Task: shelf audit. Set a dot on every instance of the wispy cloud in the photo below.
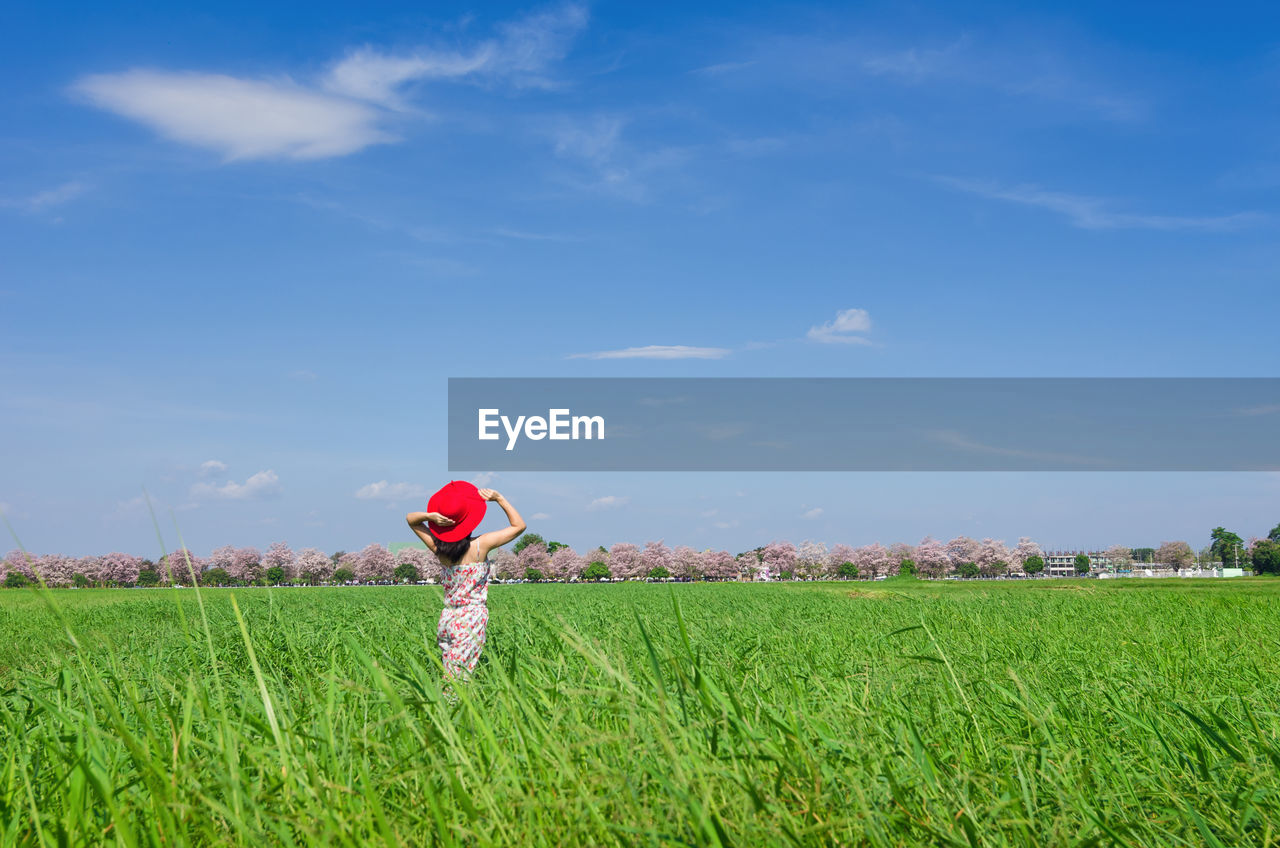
(525, 235)
(723, 67)
(1096, 213)
(521, 54)
(130, 506)
(607, 502)
(211, 467)
(46, 199)
(484, 478)
(260, 485)
(540, 516)
(812, 513)
(1263, 409)
(384, 491)
(609, 165)
(844, 329)
(657, 352)
(343, 112)
(959, 440)
(1023, 65)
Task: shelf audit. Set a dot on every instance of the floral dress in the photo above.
(464, 618)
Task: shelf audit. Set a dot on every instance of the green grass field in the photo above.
(1043, 713)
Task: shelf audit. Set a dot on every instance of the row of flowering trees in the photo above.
(535, 560)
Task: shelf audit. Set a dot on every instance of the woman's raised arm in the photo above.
(498, 538)
(417, 523)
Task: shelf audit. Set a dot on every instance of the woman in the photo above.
(452, 514)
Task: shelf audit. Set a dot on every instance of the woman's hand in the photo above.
(490, 495)
(440, 520)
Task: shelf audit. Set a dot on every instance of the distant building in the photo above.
(1063, 563)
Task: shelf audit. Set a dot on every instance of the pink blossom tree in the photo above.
(962, 549)
(20, 562)
(625, 562)
(719, 565)
(932, 558)
(898, 552)
(351, 562)
(656, 555)
(1025, 550)
(90, 567)
(419, 558)
(686, 563)
(749, 566)
(431, 568)
(811, 559)
(836, 557)
(247, 565)
(55, 570)
(121, 569)
(533, 556)
(375, 563)
(279, 555)
(993, 556)
(502, 563)
(313, 565)
(566, 564)
(178, 566)
(1176, 554)
(873, 560)
(777, 557)
(224, 558)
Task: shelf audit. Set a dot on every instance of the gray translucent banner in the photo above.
(865, 424)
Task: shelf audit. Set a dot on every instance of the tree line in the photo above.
(534, 558)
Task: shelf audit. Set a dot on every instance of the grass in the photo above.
(1050, 713)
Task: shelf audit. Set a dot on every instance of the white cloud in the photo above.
(238, 118)
(304, 375)
(260, 485)
(46, 199)
(540, 516)
(959, 440)
(723, 67)
(212, 466)
(812, 513)
(131, 505)
(384, 491)
(607, 164)
(520, 54)
(1024, 65)
(607, 502)
(1093, 213)
(1264, 409)
(595, 141)
(726, 525)
(366, 74)
(657, 352)
(842, 329)
(484, 478)
(340, 114)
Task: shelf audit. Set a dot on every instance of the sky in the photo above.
(243, 247)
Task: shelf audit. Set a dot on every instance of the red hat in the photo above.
(460, 501)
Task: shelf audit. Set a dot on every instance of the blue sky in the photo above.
(244, 248)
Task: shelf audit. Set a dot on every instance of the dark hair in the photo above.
(450, 552)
